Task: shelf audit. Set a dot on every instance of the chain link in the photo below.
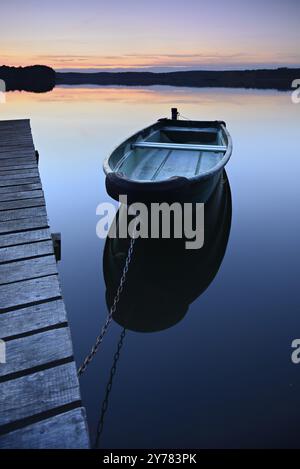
(112, 310)
(105, 402)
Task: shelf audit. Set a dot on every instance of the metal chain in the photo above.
(112, 310)
(104, 406)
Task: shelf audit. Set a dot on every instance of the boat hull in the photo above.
(173, 168)
(177, 189)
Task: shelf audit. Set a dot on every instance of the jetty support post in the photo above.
(56, 240)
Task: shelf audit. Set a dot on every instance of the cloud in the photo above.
(139, 56)
(168, 60)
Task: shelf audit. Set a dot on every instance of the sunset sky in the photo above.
(161, 34)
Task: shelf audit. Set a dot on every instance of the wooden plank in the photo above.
(24, 237)
(23, 251)
(18, 167)
(22, 203)
(63, 431)
(33, 212)
(10, 162)
(9, 136)
(16, 148)
(26, 173)
(39, 379)
(20, 188)
(15, 135)
(32, 318)
(13, 196)
(14, 123)
(31, 268)
(23, 224)
(21, 154)
(12, 139)
(16, 182)
(29, 291)
(41, 391)
(6, 130)
(36, 350)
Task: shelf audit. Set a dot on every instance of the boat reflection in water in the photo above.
(164, 277)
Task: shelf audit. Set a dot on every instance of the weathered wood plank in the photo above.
(21, 154)
(18, 167)
(8, 215)
(15, 136)
(41, 391)
(14, 123)
(32, 313)
(12, 162)
(26, 173)
(31, 268)
(23, 251)
(16, 148)
(32, 318)
(6, 129)
(13, 196)
(14, 139)
(20, 133)
(36, 350)
(20, 188)
(25, 237)
(64, 431)
(29, 291)
(22, 203)
(23, 224)
(17, 182)
(11, 139)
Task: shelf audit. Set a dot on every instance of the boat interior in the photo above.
(170, 151)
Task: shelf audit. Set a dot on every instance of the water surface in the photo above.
(222, 376)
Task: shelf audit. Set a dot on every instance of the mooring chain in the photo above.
(113, 370)
(112, 310)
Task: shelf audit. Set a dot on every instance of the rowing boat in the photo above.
(170, 160)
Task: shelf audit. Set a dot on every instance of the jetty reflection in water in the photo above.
(164, 277)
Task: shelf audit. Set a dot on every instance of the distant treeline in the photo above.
(37, 78)
(279, 79)
(40, 78)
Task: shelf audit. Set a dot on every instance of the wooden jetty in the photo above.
(40, 403)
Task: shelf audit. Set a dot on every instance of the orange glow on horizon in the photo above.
(139, 61)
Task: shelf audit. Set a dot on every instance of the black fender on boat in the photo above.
(172, 189)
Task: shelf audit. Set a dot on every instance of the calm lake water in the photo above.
(222, 376)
